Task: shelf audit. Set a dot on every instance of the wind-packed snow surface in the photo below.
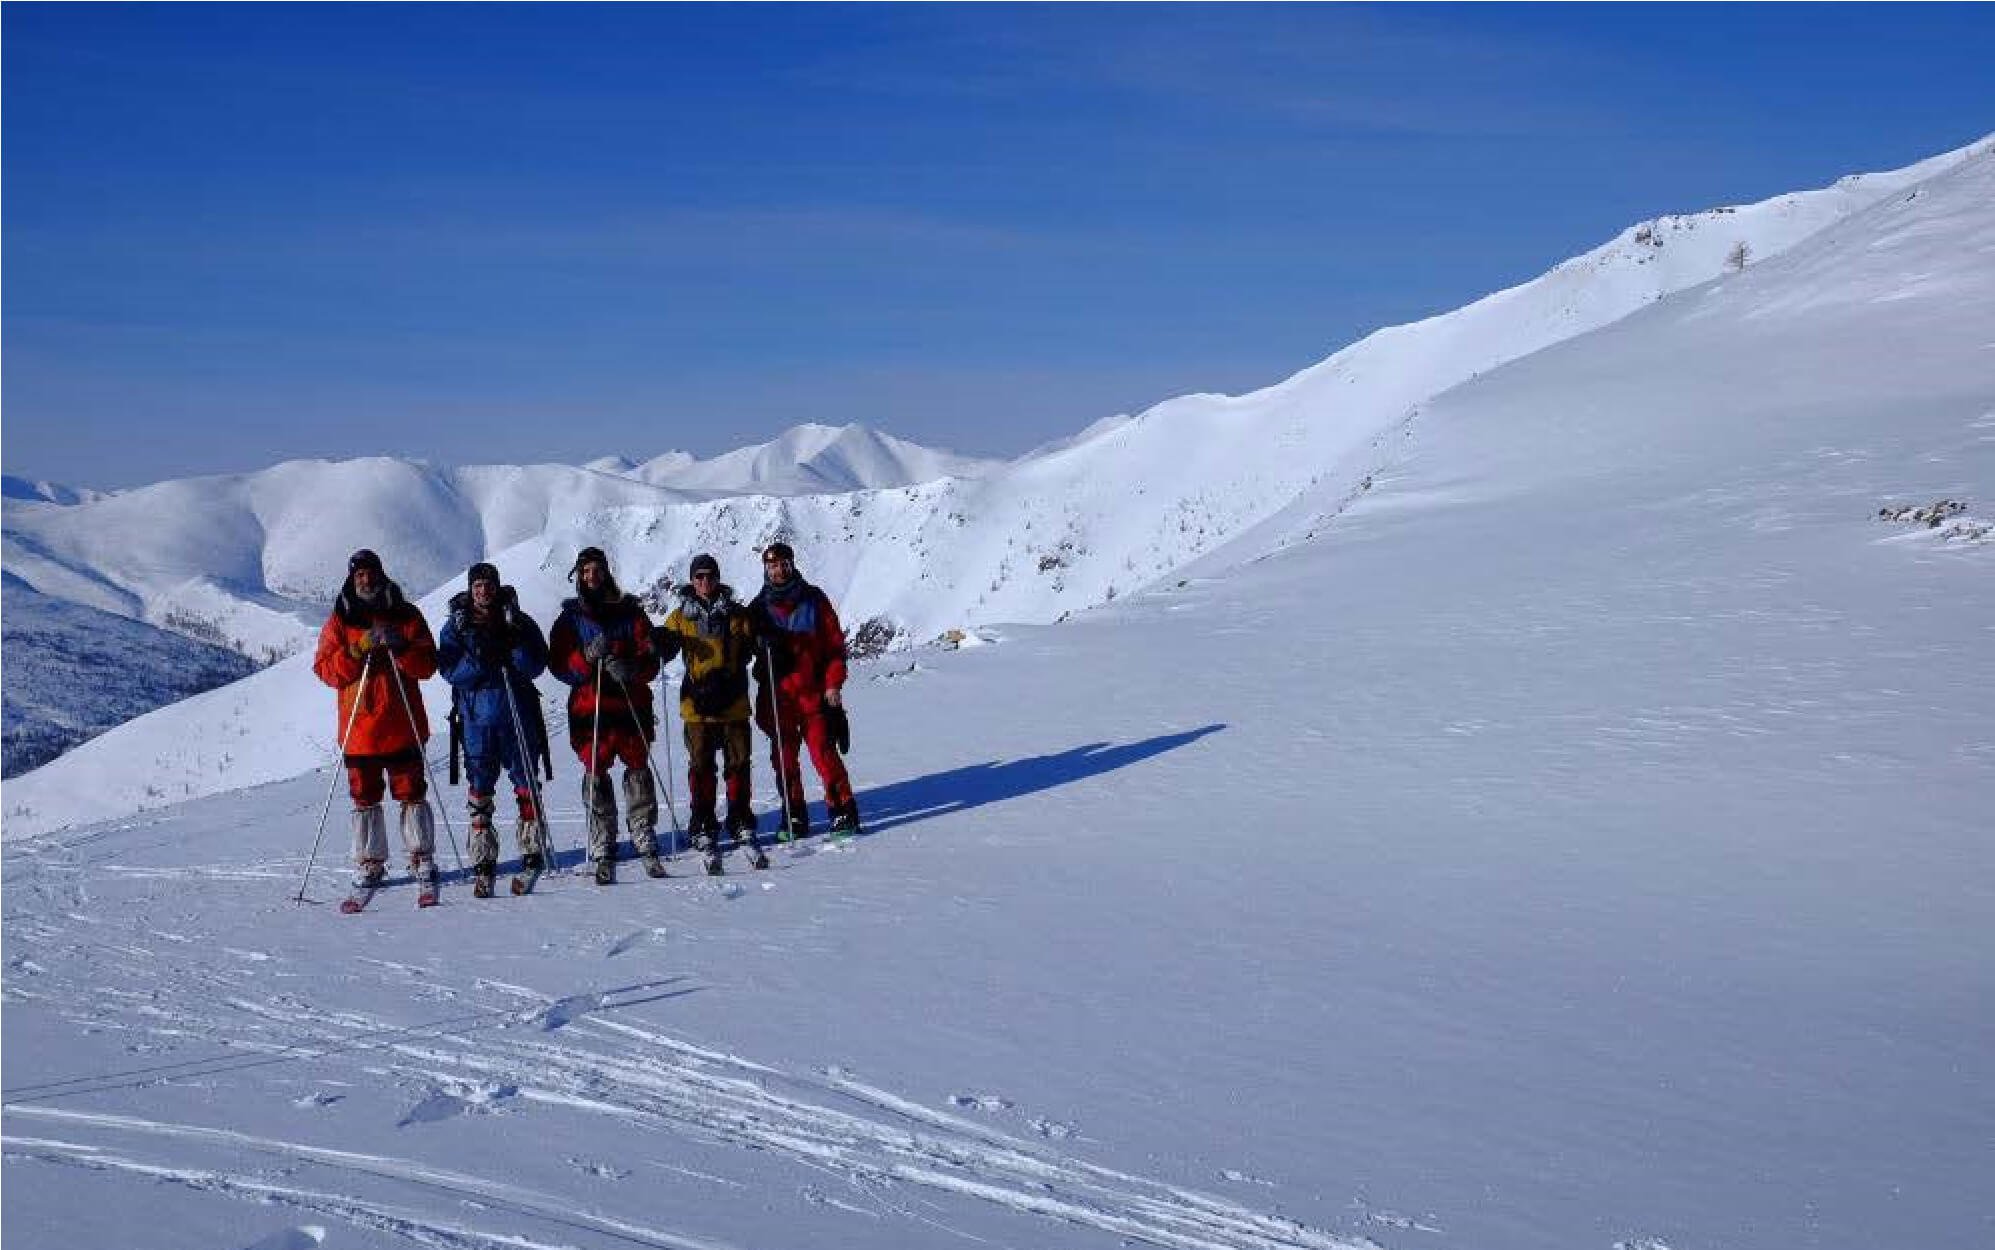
(1582, 840)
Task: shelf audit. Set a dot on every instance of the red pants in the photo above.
(785, 748)
(405, 778)
(611, 748)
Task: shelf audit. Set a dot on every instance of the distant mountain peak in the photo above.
(29, 490)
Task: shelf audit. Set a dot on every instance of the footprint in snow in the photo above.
(1054, 1129)
(589, 1167)
(432, 1109)
(569, 1009)
(628, 942)
(1385, 1218)
(303, 1237)
(979, 1102)
(444, 1104)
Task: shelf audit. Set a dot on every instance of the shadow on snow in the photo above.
(960, 789)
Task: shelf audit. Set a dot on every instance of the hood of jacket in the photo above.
(353, 610)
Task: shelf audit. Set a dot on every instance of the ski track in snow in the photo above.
(508, 1050)
(420, 1226)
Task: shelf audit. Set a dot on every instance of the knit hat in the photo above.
(779, 551)
(589, 555)
(364, 559)
(481, 572)
(703, 563)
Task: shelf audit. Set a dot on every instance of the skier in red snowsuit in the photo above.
(601, 647)
(800, 679)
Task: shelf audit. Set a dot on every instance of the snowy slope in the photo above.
(1582, 842)
(1061, 531)
(74, 672)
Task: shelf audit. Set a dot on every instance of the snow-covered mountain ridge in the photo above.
(808, 459)
(1213, 479)
(20, 488)
(254, 557)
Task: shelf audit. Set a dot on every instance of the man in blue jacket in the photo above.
(490, 652)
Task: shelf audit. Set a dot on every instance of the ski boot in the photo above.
(705, 840)
(654, 866)
(428, 880)
(367, 878)
(484, 876)
(741, 823)
(532, 864)
(845, 820)
(606, 871)
(710, 854)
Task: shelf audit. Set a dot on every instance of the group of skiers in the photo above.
(376, 647)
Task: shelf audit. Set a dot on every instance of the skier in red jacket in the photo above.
(601, 647)
(800, 699)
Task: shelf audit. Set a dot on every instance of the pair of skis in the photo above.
(427, 894)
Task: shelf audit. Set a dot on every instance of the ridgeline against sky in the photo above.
(512, 234)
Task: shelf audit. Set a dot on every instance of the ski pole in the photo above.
(595, 750)
(532, 774)
(671, 807)
(409, 711)
(671, 766)
(333, 789)
(776, 717)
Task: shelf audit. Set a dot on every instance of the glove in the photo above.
(840, 726)
(493, 648)
(389, 637)
(621, 669)
(596, 650)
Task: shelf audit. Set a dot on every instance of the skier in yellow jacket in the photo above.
(710, 629)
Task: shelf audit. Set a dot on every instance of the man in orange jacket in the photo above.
(374, 648)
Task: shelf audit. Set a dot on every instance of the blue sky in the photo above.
(237, 234)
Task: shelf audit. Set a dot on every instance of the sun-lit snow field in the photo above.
(1581, 839)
